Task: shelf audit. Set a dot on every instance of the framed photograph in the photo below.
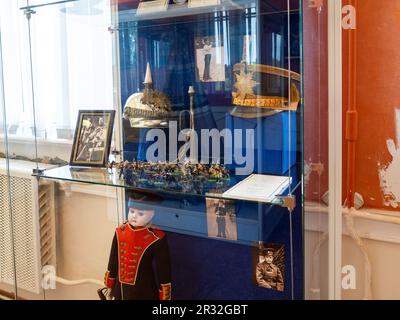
(210, 59)
(221, 219)
(92, 138)
(269, 266)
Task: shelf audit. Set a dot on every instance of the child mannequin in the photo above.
(136, 245)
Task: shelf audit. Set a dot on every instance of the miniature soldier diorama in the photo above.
(139, 265)
(268, 274)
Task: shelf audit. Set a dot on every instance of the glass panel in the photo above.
(316, 166)
(8, 288)
(21, 258)
(75, 72)
(86, 220)
(224, 68)
(64, 65)
(179, 187)
(79, 63)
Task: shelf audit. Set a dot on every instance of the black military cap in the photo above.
(143, 200)
(267, 251)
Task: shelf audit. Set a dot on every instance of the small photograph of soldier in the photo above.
(221, 219)
(270, 267)
(210, 59)
(92, 139)
(220, 213)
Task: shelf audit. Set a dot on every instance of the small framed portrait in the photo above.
(269, 266)
(221, 219)
(92, 138)
(210, 59)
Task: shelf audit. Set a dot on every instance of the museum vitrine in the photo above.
(189, 111)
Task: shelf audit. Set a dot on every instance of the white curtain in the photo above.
(72, 64)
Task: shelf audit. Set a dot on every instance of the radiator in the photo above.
(33, 212)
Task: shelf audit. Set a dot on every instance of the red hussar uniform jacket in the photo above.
(130, 273)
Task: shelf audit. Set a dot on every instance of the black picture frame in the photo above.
(92, 138)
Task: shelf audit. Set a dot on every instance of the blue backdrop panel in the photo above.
(205, 268)
(275, 141)
(210, 269)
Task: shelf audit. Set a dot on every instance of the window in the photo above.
(71, 61)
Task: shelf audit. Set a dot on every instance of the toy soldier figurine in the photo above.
(268, 274)
(136, 245)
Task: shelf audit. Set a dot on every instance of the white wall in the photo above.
(85, 227)
(382, 243)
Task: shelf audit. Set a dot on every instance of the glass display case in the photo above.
(195, 106)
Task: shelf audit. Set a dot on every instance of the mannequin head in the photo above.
(138, 217)
(141, 209)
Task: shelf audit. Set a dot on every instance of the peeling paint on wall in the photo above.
(389, 175)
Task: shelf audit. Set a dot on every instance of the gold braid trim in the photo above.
(278, 103)
(165, 293)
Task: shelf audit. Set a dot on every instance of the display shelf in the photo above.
(107, 177)
(183, 10)
(45, 4)
(177, 10)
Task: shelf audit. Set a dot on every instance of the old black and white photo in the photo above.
(210, 59)
(221, 219)
(269, 266)
(92, 138)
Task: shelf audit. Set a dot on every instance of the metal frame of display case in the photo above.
(335, 148)
(104, 177)
(288, 200)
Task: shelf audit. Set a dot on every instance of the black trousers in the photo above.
(207, 61)
(221, 224)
